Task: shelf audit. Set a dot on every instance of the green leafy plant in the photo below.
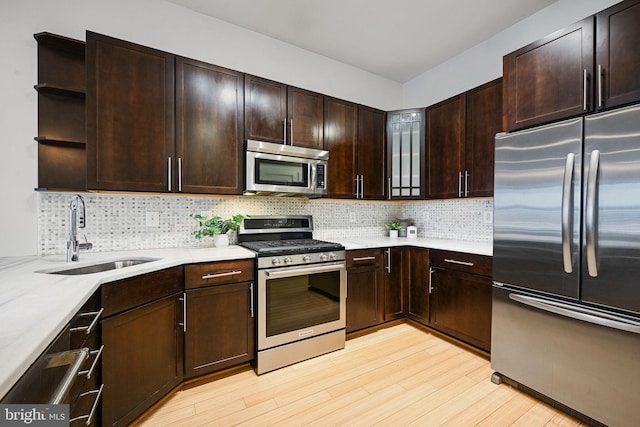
(394, 224)
(216, 225)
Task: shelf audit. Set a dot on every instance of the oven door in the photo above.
(296, 303)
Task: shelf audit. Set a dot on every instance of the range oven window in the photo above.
(302, 301)
(272, 172)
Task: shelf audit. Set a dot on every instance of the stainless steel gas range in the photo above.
(301, 290)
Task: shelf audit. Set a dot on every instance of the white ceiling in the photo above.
(396, 39)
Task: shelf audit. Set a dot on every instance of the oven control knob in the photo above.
(275, 261)
(333, 256)
(287, 260)
(323, 257)
(306, 258)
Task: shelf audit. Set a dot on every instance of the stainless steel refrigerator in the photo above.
(566, 263)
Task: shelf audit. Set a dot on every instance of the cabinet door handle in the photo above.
(430, 280)
(169, 173)
(284, 131)
(388, 267)
(184, 312)
(455, 261)
(466, 183)
(94, 407)
(225, 274)
(585, 106)
(87, 329)
(357, 186)
(291, 134)
(179, 173)
(364, 258)
(460, 184)
(599, 85)
(251, 296)
(362, 186)
(89, 372)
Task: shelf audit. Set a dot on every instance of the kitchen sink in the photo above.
(101, 267)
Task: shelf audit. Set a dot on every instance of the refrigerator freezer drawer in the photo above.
(590, 368)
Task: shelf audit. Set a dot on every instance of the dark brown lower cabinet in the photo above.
(394, 283)
(365, 289)
(143, 343)
(461, 297)
(220, 328)
(418, 282)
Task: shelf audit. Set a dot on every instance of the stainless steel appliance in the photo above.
(566, 263)
(301, 290)
(285, 170)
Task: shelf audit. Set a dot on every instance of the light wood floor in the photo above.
(396, 376)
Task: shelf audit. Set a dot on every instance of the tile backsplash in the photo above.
(119, 221)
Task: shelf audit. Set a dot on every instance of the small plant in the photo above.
(394, 224)
(216, 225)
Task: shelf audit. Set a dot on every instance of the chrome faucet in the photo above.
(76, 220)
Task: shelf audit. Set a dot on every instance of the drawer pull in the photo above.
(215, 275)
(94, 322)
(454, 261)
(98, 354)
(94, 407)
(364, 258)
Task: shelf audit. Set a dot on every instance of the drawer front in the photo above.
(458, 261)
(217, 273)
(129, 293)
(364, 257)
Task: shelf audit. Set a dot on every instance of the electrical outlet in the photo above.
(426, 216)
(153, 219)
(487, 218)
(352, 217)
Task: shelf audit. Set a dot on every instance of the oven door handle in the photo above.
(275, 274)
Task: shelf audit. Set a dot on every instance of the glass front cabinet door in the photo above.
(406, 175)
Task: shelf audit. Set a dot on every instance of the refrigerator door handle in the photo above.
(567, 214)
(579, 313)
(591, 213)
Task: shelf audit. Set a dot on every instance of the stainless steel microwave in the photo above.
(285, 170)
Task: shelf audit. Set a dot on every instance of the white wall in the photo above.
(154, 23)
(483, 62)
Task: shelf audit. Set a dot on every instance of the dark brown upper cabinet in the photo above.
(406, 168)
(130, 116)
(617, 55)
(161, 123)
(209, 128)
(460, 135)
(445, 136)
(371, 153)
(275, 112)
(483, 121)
(341, 140)
(591, 65)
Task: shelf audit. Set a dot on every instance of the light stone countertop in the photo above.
(36, 306)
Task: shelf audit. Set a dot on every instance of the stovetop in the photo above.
(289, 246)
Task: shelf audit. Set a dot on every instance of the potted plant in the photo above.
(394, 227)
(217, 227)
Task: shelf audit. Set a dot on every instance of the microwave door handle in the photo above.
(313, 170)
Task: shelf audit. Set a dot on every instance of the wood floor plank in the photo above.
(397, 375)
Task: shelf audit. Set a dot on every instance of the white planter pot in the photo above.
(393, 234)
(220, 240)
